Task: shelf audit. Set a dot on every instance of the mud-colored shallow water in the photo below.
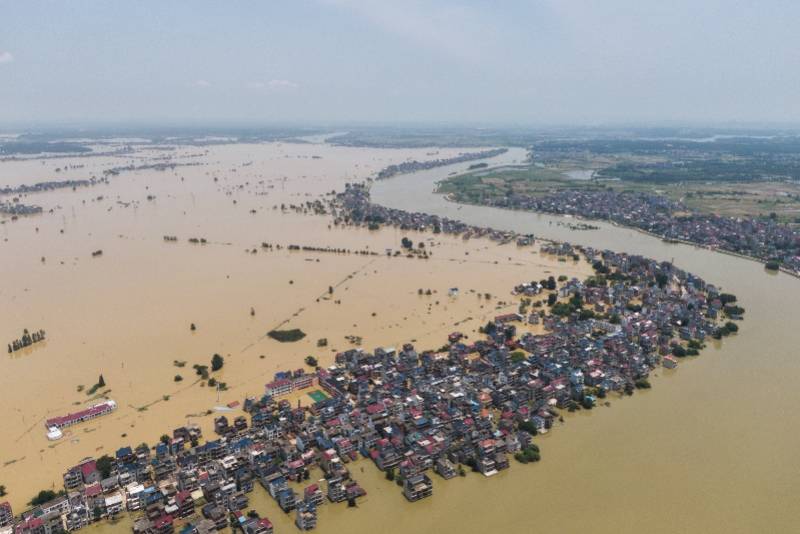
(126, 314)
(711, 448)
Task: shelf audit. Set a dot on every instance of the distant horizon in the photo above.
(45, 126)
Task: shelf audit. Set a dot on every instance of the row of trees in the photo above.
(26, 340)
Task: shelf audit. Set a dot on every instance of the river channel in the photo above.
(711, 448)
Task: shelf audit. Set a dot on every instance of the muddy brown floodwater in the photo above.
(126, 314)
(711, 448)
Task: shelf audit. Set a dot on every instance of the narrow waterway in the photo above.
(711, 448)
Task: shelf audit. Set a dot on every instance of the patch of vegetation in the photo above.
(101, 383)
(201, 371)
(287, 336)
(483, 187)
(45, 496)
(642, 383)
(40, 147)
(529, 427)
(104, 464)
(731, 310)
(528, 454)
(517, 356)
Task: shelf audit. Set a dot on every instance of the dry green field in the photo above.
(738, 199)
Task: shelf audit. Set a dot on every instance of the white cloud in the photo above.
(273, 85)
(6, 56)
(281, 84)
(201, 83)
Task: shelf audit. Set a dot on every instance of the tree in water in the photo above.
(43, 497)
(104, 465)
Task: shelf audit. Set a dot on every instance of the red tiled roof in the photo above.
(93, 490)
(372, 409)
(31, 523)
(163, 521)
(87, 468)
(73, 417)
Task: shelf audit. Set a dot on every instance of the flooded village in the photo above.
(468, 406)
(475, 405)
(765, 239)
(328, 279)
(360, 267)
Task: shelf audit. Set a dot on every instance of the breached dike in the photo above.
(88, 414)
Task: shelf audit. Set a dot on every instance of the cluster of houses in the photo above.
(414, 165)
(761, 238)
(52, 185)
(410, 413)
(353, 206)
(15, 209)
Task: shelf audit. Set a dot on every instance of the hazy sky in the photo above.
(500, 61)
